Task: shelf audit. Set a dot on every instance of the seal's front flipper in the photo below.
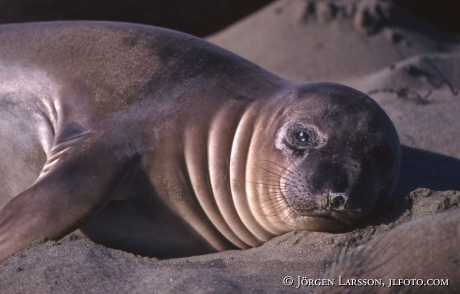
(74, 185)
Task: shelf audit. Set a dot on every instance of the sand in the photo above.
(83, 266)
(410, 68)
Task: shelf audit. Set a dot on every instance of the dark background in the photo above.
(197, 17)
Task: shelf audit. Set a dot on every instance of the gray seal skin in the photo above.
(162, 144)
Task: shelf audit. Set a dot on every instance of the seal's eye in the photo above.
(302, 136)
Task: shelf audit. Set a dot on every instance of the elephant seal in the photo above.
(162, 144)
(420, 256)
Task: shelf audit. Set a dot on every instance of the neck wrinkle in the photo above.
(267, 200)
(239, 158)
(224, 126)
(196, 160)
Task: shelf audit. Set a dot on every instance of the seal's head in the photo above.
(338, 158)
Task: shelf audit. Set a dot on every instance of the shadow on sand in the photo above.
(424, 169)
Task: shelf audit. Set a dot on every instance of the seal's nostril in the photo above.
(337, 200)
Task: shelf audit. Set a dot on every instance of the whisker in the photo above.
(275, 184)
(280, 169)
(275, 205)
(268, 193)
(291, 214)
(268, 185)
(261, 180)
(278, 210)
(290, 171)
(272, 172)
(294, 169)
